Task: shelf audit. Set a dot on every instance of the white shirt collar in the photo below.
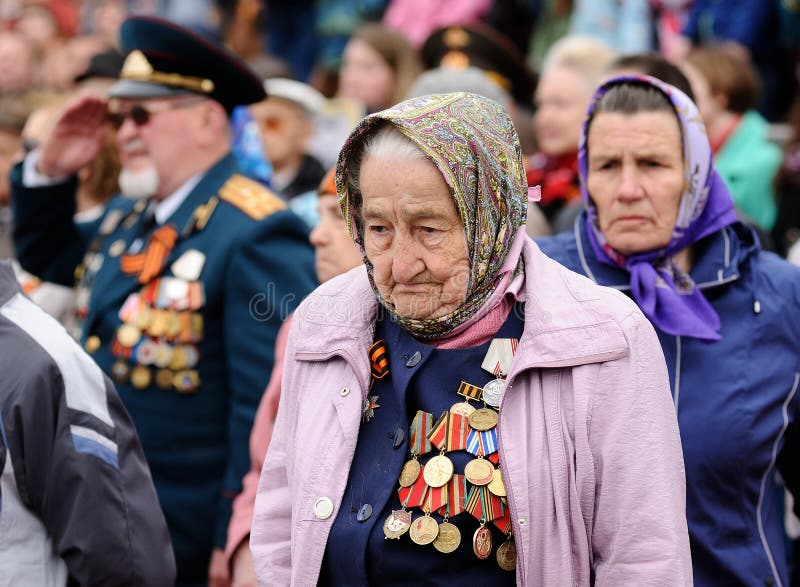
(166, 207)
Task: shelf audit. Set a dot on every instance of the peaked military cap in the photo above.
(478, 45)
(164, 59)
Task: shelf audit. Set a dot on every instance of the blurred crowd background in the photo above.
(331, 61)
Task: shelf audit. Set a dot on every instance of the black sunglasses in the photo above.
(140, 115)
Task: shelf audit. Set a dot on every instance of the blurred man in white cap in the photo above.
(286, 120)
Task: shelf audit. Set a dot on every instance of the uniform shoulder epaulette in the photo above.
(252, 198)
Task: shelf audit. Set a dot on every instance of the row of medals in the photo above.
(446, 537)
(160, 340)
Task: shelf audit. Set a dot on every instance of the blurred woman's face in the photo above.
(413, 237)
(635, 178)
(562, 98)
(365, 76)
(334, 250)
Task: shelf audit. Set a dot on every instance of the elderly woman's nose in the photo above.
(406, 260)
(318, 236)
(630, 186)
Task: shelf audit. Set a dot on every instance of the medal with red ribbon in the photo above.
(420, 428)
(456, 491)
(414, 495)
(482, 505)
(450, 432)
(435, 499)
(503, 523)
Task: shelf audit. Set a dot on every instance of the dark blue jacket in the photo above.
(736, 399)
(255, 273)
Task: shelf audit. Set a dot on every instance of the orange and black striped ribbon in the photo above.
(379, 360)
(149, 263)
(470, 391)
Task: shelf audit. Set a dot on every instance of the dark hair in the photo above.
(656, 66)
(632, 97)
(729, 74)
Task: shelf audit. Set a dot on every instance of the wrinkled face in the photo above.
(562, 98)
(334, 250)
(284, 130)
(365, 76)
(413, 237)
(635, 178)
(163, 145)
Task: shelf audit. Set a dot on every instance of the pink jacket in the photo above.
(588, 437)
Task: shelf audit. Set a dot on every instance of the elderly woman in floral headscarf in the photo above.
(463, 410)
(660, 225)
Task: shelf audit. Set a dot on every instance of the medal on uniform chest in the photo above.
(397, 524)
(189, 265)
(468, 391)
(448, 539)
(437, 471)
(424, 530)
(379, 368)
(482, 542)
(419, 444)
(496, 485)
(497, 361)
(479, 471)
(483, 419)
(507, 555)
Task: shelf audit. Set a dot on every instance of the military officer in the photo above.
(184, 280)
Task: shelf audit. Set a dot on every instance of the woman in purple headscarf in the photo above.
(660, 225)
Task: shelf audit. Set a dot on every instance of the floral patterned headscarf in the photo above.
(664, 292)
(472, 142)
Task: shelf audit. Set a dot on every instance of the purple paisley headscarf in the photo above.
(665, 293)
(473, 143)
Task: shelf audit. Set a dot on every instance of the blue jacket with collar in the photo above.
(258, 265)
(736, 399)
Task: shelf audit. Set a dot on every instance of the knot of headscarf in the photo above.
(473, 143)
(665, 293)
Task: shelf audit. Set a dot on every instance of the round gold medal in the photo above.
(163, 355)
(507, 556)
(462, 409)
(449, 538)
(144, 317)
(438, 471)
(120, 371)
(496, 485)
(409, 473)
(482, 542)
(174, 325)
(128, 335)
(92, 344)
(424, 530)
(397, 524)
(116, 248)
(479, 471)
(483, 419)
(158, 325)
(179, 358)
(164, 378)
(141, 377)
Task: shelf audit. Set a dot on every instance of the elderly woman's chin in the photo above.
(426, 303)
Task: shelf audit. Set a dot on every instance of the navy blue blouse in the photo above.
(421, 377)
